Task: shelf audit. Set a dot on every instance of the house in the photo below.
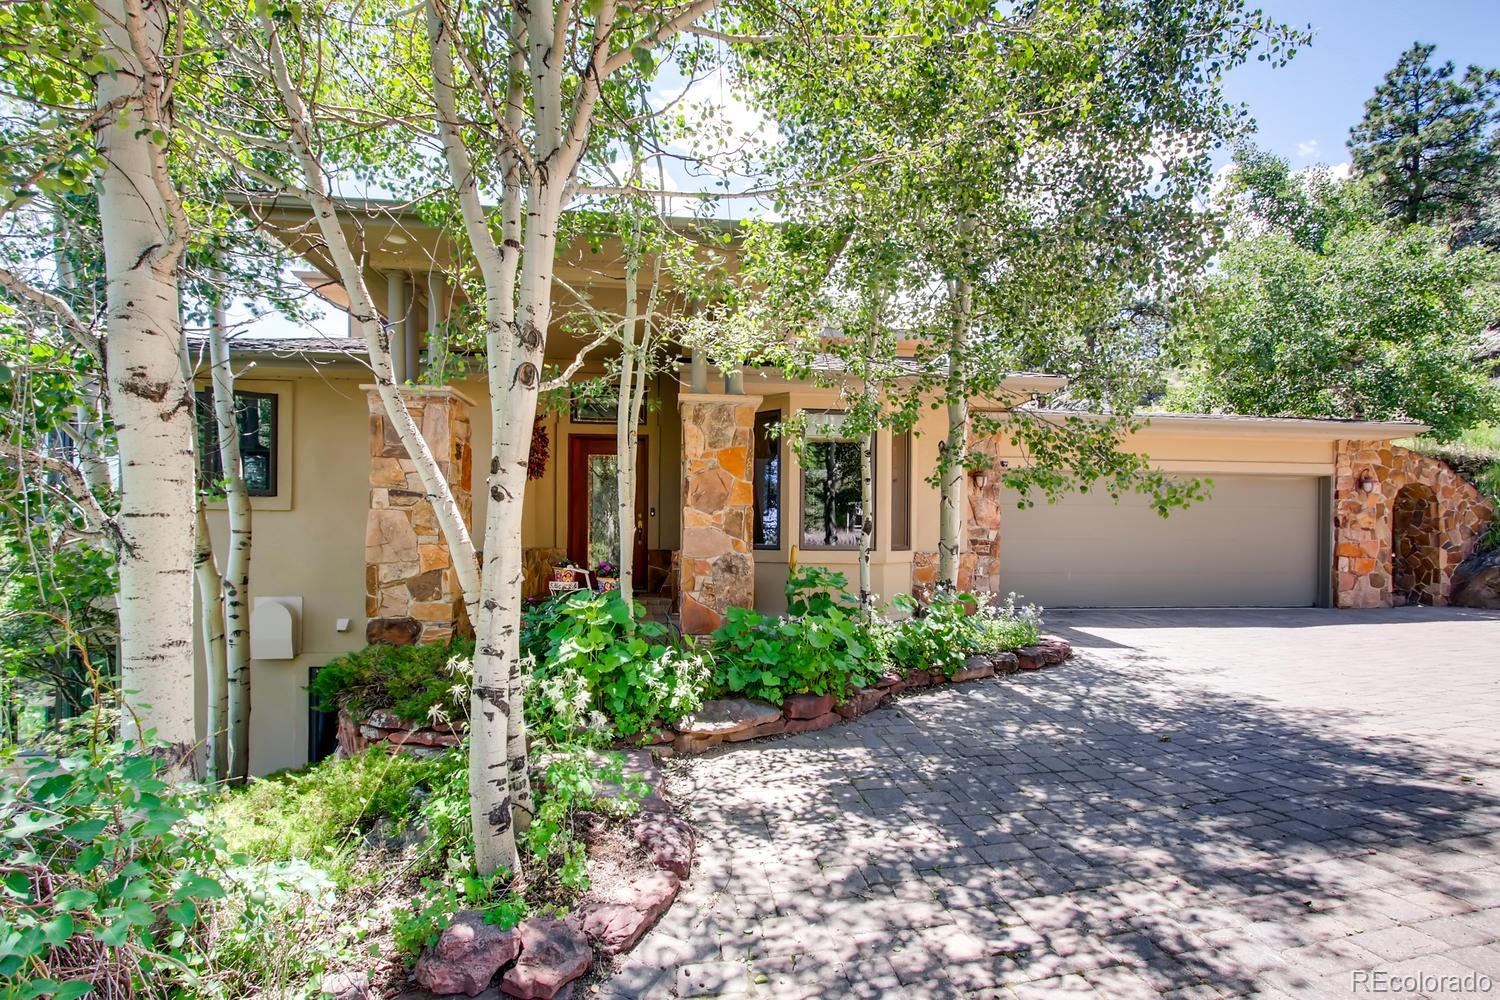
(1301, 513)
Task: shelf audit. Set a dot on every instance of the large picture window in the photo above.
(767, 480)
(256, 413)
(832, 511)
(900, 492)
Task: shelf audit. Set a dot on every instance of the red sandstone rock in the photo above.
(667, 841)
(807, 706)
(615, 925)
(775, 727)
(1005, 663)
(890, 680)
(346, 985)
(1031, 658)
(690, 744)
(723, 716)
(553, 954)
(467, 955)
(918, 678)
(973, 669)
(1055, 649)
(862, 702)
(812, 725)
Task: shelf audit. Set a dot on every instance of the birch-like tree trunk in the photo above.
(955, 446)
(235, 581)
(215, 657)
(144, 231)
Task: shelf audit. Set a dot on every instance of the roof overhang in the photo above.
(1235, 425)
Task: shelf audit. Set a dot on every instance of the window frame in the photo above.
(832, 438)
(779, 456)
(282, 434)
(904, 545)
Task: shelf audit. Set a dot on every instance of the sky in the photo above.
(1303, 110)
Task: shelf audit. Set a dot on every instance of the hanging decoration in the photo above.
(541, 448)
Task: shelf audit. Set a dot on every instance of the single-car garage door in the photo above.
(1254, 542)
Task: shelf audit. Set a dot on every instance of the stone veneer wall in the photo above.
(1364, 522)
(979, 550)
(411, 589)
(718, 504)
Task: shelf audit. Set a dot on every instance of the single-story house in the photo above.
(346, 548)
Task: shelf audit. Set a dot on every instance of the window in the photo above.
(257, 421)
(900, 492)
(593, 409)
(767, 475)
(832, 512)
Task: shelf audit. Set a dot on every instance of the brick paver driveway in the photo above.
(1198, 804)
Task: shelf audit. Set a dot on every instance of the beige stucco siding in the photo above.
(1255, 541)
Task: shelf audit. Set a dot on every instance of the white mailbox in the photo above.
(275, 628)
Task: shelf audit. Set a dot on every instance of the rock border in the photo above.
(737, 720)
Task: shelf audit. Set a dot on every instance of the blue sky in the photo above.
(1316, 97)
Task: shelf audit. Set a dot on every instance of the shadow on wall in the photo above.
(1091, 820)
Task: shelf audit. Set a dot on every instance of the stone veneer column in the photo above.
(412, 593)
(979, 560)
(1363, 520)
(718, 504)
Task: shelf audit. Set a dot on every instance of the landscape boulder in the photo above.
(722, 716)
(861, 702)
(1054, 649)
(467, 955)
(667, 841)
(807, 706)
(346, 985)
(1031, 658)
(616, 924)
(1005, 663)
(553, 954)
(973, 669)
(1476, 582)
(812, 725)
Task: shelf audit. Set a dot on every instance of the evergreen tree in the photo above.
(1427, 140)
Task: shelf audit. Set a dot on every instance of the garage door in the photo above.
(1255, 542)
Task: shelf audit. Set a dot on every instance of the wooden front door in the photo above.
(593, 484)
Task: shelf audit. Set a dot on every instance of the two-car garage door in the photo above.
(1255, 542)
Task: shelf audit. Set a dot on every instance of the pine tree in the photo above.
(1427, 139)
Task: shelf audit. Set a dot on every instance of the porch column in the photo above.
(979, 559)
(412, 593)
(718, 505)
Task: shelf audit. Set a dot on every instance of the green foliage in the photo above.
(415, 682)
(113, 879)
(575, 779)
(821, 646)
(1363, 321)
(1427, 138)
(433, 910)
(321, 813)
(940, 635)
(601, 669)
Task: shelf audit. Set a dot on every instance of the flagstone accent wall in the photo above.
(412, 594)
(1400, 541)
(718, 503)
(979, 547)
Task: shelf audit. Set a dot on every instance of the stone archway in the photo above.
(1416, 548)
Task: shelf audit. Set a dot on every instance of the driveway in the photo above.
(1198, 804)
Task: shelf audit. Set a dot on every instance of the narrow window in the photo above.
(256, 413)
(900, 492)
(767, 480)
(832, 512)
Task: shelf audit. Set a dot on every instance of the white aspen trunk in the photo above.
(149, 397)
(954, 448)
(367, 322)
(867, 517)
(235, 583)
(211, 632)
(625, 437)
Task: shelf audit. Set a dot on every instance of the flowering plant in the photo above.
(605, 568)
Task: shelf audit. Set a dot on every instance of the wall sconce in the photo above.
(979, 477)
(1367, 481)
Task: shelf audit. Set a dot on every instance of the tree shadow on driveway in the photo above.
(1093, 828)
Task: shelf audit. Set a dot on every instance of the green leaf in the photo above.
(75, 899)
(199, 887)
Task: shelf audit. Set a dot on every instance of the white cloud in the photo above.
(1307, 149)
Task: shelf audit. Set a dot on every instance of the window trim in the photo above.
(911, 446)
(802, 490)
(285, 426)
(205, 409)
(755, 507)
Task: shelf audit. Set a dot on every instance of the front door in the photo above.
(593, 518)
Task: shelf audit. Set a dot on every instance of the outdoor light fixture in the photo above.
(979, 477)
(1367, 481)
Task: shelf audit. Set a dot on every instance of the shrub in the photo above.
(822, 645)
(114, 882)
(412, 681)
(1005, 627)
(939, 636)
(603, 670)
